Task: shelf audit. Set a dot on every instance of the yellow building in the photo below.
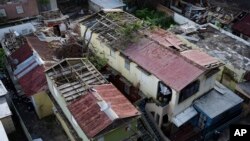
(165, 69)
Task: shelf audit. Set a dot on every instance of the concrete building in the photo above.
(166, 70)
(88, 107)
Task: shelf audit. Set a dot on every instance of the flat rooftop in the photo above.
(222, 46)
(217, 101)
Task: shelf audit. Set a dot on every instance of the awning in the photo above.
(184, 116)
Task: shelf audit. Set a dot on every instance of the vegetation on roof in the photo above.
(155, 18)
(97, 61)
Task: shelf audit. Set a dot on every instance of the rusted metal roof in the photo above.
(201, 58)
(99, 108)
(22, 53)
(168, 66)
(242, 26)
(42, 48)
(34, 81)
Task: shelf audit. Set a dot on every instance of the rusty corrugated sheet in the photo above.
(22, 53)
(88, 114)
(34, 81)
(172, 68)
(199, 57)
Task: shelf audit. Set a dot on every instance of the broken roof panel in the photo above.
(201, 58)
(225, 48)
(166, 65)
(77, 72)
(100, 107)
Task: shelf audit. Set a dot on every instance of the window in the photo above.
(189, 90)
(19, 9)
(112, 52)
(164, 93)
(127, 64)
(2, 13)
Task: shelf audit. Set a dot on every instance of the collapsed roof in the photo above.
(95, 104)
(157, 51)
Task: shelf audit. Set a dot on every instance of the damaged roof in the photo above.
(94, 103)
(77, 72)
(157, 54)
(157, 51)
(169, 67)
(98, 109)
(220, 45)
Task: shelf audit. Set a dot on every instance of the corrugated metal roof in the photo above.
(173, 69)
(34, 81)
(97, 109)
(184, 116)
(217, 101)
(243, 25)
(4, 108)
(43, 48)
(3, 134)
(199, 57)
(22, 53)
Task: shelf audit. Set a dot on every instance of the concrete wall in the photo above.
(61, 102)
(42, 103)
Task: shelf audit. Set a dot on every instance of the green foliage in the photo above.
(98, 62)
(130, 28)
(1, 58)
(155, 18)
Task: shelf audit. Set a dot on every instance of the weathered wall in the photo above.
(42, 103)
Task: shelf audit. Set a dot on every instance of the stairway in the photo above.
(148, 123)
